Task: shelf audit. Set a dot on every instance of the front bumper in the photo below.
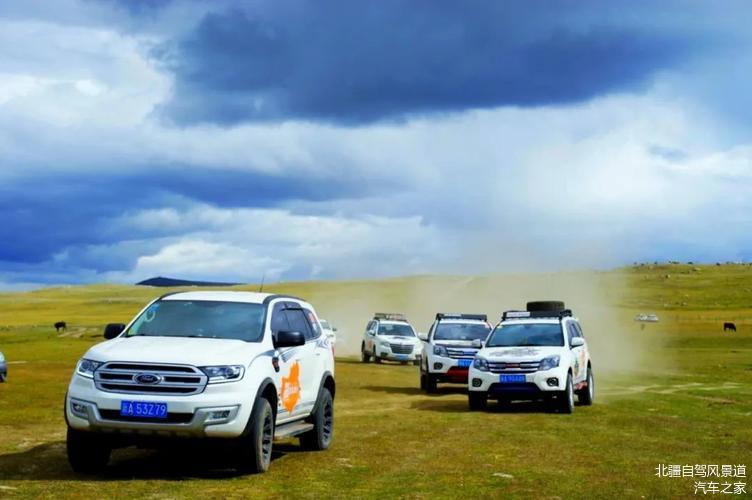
(220, 411)
(540, 383)
(441, 365)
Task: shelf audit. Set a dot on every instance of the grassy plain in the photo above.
(675, 392)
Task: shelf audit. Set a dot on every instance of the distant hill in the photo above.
(167, 282)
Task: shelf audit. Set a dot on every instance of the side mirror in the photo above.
(113, 330)
(334, 329)
(477, 343)
(423, 336)
(577, 342)
(289, 339)
(371, 333)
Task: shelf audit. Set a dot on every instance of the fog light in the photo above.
(219, 415)
(477, 382)
(78, 409)
(438, 366)
(553, 382)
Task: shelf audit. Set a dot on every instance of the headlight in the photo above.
(219, 374)
(383, 343)
(549, 362)
(480, 364)
(440, 350)
(86, 367)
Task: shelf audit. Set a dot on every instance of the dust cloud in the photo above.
(614, 339)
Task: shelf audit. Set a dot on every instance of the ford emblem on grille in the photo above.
(147, 378)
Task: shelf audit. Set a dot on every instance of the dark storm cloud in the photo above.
(354, 62)
(44, 216)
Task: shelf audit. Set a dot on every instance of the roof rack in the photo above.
(536, 314)
(390, 316)
(479, 317)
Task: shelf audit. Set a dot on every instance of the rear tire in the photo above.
(323, 424)
(477, 401)
(565, 402)
(88, 453)
(586, 395)
(255, 452)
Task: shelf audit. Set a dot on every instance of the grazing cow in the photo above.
(60, 325)
(729, 326)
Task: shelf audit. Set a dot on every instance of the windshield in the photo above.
(527, 334)
(461, 331)
(402, 330)
(200, 318)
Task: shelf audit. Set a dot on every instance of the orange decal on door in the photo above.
(291, 388)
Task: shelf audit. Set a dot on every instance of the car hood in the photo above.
(179, 350)
(458, 343)
(522, 353)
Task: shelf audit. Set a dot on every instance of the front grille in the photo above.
(461, 352)
(401, 349)
(510, 367)
(172, 418)
(179, 380)
(527, 387)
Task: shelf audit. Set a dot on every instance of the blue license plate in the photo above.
(464, 363)
(401, 357)
(512, 379)
(143, 409)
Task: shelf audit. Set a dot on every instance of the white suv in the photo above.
(450, 346)
(533, 355)
(240, 367)
(389, 336)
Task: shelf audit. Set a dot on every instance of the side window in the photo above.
(369, 326)
(279, 318)
(571, 332)
(298, 322)
(313, 324)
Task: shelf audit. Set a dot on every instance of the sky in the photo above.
(297, 140)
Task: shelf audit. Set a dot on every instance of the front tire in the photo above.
(365, 358)
(376, 359)
(88, 453)
(565, 402)
(323, 424)
(255, 453)
(586, 395)
(477, 401)
(430, 384)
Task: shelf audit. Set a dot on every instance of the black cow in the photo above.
(60, 325)
(729, 326)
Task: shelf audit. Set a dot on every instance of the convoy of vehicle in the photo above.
(240, 369)
(449, 348)
(390, 337)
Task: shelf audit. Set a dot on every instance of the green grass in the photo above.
(677, 392)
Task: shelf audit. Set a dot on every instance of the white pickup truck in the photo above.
(242, 368)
